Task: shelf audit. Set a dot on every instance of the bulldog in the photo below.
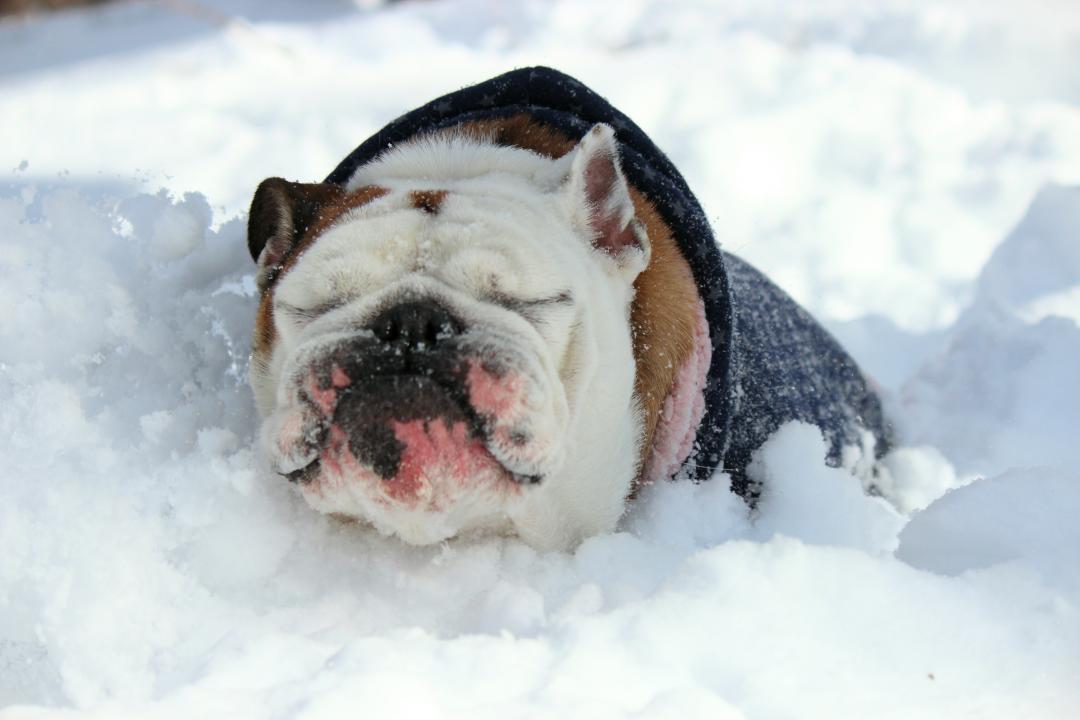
(505, 312)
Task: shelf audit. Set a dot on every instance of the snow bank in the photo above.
(153, 567)
(1006, 391)
(867, 158)
(1026, 516)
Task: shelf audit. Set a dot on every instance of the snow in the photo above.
(910, 172)
(1022, 327)
(1019, 515)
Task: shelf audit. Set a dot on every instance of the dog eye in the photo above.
(303, 315)
(526, 305)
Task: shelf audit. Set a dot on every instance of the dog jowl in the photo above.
(443, 343)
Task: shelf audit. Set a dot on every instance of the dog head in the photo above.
(439, 341)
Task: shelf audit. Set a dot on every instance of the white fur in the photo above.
(512, 223)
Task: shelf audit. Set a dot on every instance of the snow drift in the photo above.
(152, 565)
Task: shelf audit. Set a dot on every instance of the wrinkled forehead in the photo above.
(450, 217)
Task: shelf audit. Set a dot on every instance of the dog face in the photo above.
(443, 346)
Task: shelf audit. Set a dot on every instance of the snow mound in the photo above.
(791, 464)
(1022, 515)
(153, 566)
(1005, 393)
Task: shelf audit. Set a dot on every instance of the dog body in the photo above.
(495, 316)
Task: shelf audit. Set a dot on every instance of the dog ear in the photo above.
(602, 204)
(281, 212)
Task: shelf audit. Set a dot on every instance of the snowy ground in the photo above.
(907, 171)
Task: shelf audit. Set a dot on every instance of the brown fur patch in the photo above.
(663, 318)
(328, 214)
(427, 200)
(664, 311)
(517, 131)
(265, 332)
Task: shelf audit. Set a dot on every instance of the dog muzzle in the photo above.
(415, 411)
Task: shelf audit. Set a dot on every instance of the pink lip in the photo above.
(438, 461)
(439, 456)
(494, 395)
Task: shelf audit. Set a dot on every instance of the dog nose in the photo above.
(416, 325)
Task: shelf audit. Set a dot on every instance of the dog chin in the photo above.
(447, 480)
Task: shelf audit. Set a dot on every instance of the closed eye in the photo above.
(305, 315)
(525, 305)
